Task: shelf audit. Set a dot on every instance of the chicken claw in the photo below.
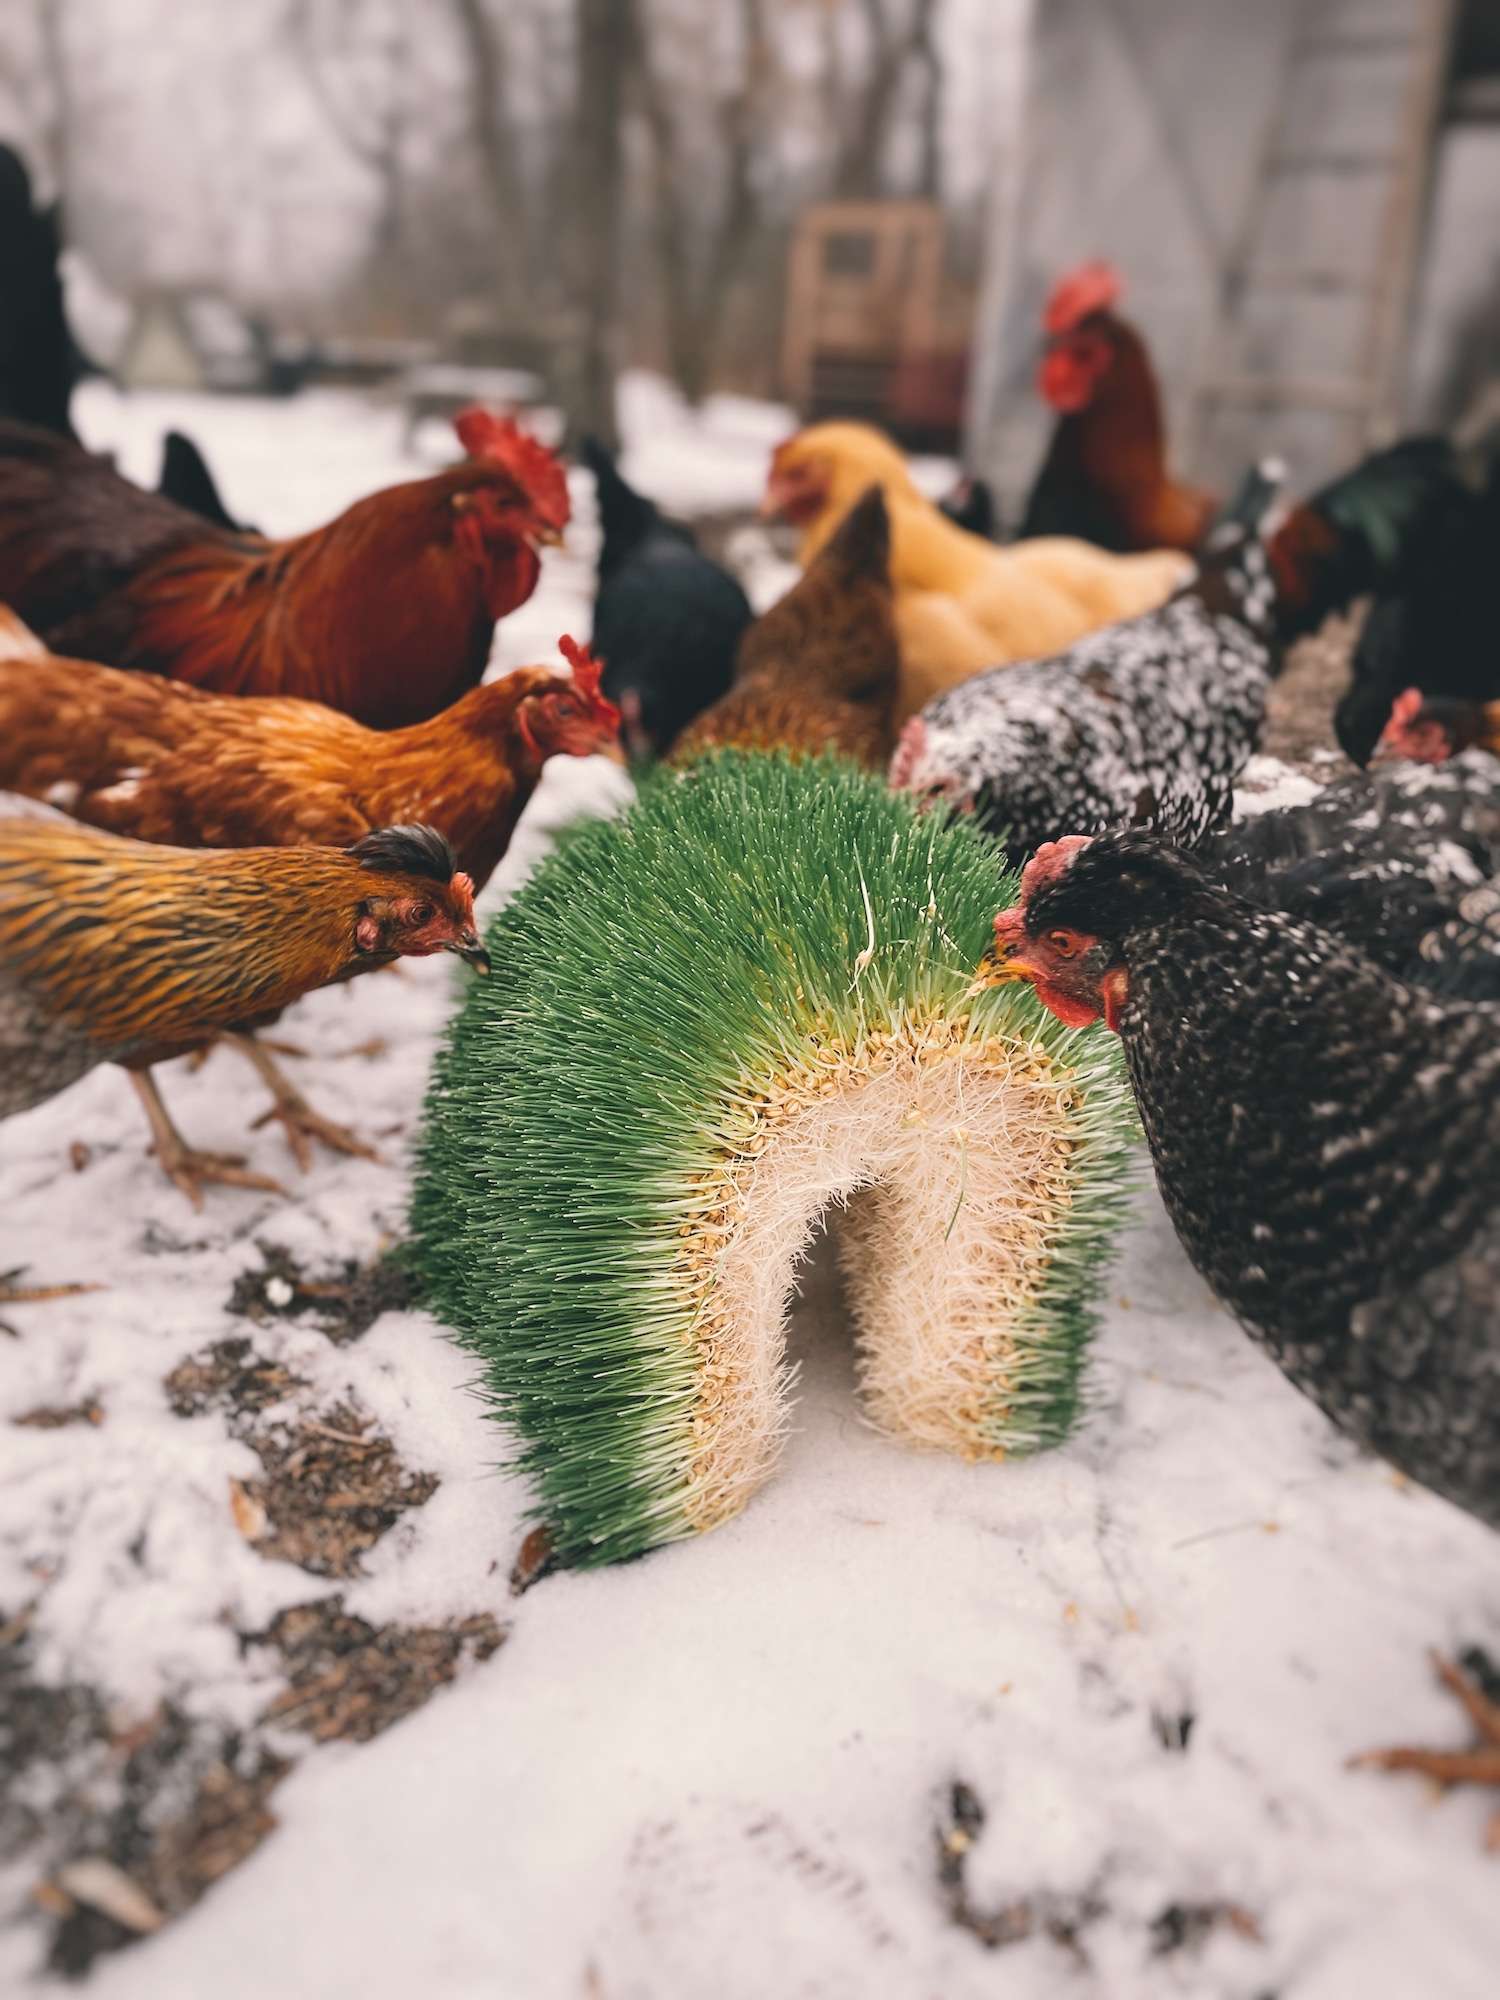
(184, 1165)
(292, 1111)
(1478, 1765)
(12, 1294)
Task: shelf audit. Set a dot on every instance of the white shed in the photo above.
(1302, 197)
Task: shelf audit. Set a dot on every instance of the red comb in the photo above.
(1052, 858)
(1092, 288)
(588, 677)
(497, 440)
(1407, 707)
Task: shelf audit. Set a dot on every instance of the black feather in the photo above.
(407, 850)
(667, 620)
(186, 480)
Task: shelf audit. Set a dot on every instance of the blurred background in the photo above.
(837, 206)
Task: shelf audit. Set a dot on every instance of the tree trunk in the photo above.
(495, 139)
(607, 39)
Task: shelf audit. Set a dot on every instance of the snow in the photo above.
(721, 1769)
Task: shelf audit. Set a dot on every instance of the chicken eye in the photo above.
(1064, 943)
(421, 913)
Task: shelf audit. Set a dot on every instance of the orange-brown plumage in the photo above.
(821, 670)
(387, 613)
(158, 761)
(1105, 477)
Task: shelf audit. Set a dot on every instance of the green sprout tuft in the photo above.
(649, 976)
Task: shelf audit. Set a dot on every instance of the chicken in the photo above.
(961, 603)
(1153, 719)
(1326, 1142)
(1149, 720)
(666, 619)
(1105, 474)
(820, 671)
(1402, 863)
(1437, 628)
(115, 951)
(1431, 730)
(386, 614)
(158, 761)
(38, 361)
(971, 505)
(1323, 1132)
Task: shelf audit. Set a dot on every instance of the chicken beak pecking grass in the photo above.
(471, 951)
(998, 967)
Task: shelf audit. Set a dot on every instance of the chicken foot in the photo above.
(1478, 1765)
(183, 1164)
(12, 1294)
(292, 1111)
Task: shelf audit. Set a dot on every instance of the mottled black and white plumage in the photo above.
(1326, 1137)
(1148, 720)
(1388, 860)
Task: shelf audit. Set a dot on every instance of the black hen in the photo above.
(667, 620)
(38, 361)
(1367, 530)
(1441, 633)
(1324, 1134)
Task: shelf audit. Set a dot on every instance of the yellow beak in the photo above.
(997, 968)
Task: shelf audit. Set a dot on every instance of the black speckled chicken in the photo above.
(1150, 721)
(1326, 1137)
(1402, 862)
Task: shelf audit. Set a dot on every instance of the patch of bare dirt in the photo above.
(345, 1301)
(1063, 1918)
(129, 1823)
(332, 1488)
(57, 1416)
(350, 1680)
(229, 1376)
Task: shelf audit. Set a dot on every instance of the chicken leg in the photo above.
(292, 1111)
(1478, 1765)
(182, 1163)
(12, 1294)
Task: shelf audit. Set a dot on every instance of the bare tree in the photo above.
(495, 137)
(697, 275)
(607, 32)
(893, 46)
(370, 114)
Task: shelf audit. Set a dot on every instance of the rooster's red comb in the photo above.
(1406, 707)
(1091, 288)
(1052, 858)
(498, 440)
(588, 675)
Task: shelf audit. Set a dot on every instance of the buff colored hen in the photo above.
(961, 603)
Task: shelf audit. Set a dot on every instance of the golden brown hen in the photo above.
(821, 670)
(115, 951)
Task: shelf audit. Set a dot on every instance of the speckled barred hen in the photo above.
(115, 951)
(1327, 1141)
(1326, 1137)
(1149, 720)
(1402, 862)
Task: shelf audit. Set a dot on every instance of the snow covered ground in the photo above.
(730, 1767)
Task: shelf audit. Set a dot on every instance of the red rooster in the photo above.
(387, 613)
(1105, 475)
